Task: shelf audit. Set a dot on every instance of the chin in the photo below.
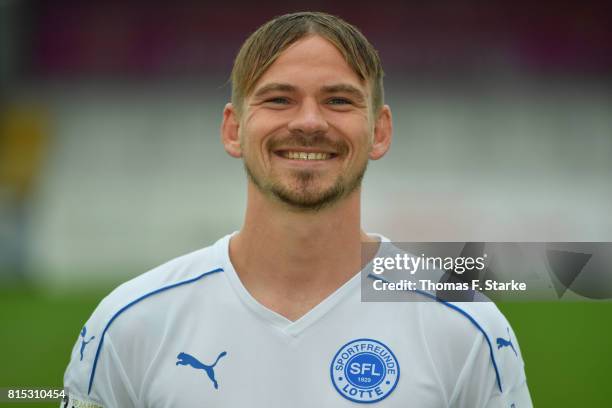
(312, 199)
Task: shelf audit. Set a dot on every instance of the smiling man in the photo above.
(271, 316)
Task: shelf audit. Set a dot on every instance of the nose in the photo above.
(309, 119)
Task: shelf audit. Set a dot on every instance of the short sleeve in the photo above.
(478, 385)
(95, 376)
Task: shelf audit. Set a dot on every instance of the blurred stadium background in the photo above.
(110, 161)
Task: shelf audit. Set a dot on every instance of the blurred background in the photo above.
(110, 161)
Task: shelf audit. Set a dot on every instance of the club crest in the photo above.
(365, 371)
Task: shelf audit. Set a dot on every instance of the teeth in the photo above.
(306, 156)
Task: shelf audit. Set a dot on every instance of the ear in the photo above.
(383, 134)
(229, 131)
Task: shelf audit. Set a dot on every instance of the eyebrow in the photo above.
(274, 87)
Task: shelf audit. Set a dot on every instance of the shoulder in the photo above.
(184, 270)
(169, 277)
(125, 307)
(457, 326)
(500, 338)
(456, 331)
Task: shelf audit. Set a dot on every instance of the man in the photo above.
(271, 316)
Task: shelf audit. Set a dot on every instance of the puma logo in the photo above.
(84, 342)
(188, 359)
(501, 342)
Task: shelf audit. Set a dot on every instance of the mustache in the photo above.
(319, 141)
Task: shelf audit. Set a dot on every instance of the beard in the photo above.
(303, 192)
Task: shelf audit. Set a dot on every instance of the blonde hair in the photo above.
(265, 45)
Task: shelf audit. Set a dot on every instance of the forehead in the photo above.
(311, 61)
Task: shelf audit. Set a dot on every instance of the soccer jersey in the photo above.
(189, 334)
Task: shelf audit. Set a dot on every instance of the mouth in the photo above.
(303, 155)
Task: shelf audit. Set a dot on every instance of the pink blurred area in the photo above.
(140, 38)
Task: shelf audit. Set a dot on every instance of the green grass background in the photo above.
(567, 346)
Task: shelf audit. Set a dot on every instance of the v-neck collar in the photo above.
(280, 322)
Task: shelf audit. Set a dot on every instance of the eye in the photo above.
(278, 100)
(339, 101)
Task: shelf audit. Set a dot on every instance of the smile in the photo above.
(296, 155)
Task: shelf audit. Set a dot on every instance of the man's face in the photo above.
(306, 129)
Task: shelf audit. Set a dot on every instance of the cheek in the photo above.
(361, 140)
(251, 131)
(254, 138)
(357, 128)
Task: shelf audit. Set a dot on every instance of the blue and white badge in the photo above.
(365, 371)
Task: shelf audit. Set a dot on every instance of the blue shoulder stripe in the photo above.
(132, 303)
(465, 314)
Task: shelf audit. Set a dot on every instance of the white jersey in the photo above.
(188, 334)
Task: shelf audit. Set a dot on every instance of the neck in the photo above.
(291, 260)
